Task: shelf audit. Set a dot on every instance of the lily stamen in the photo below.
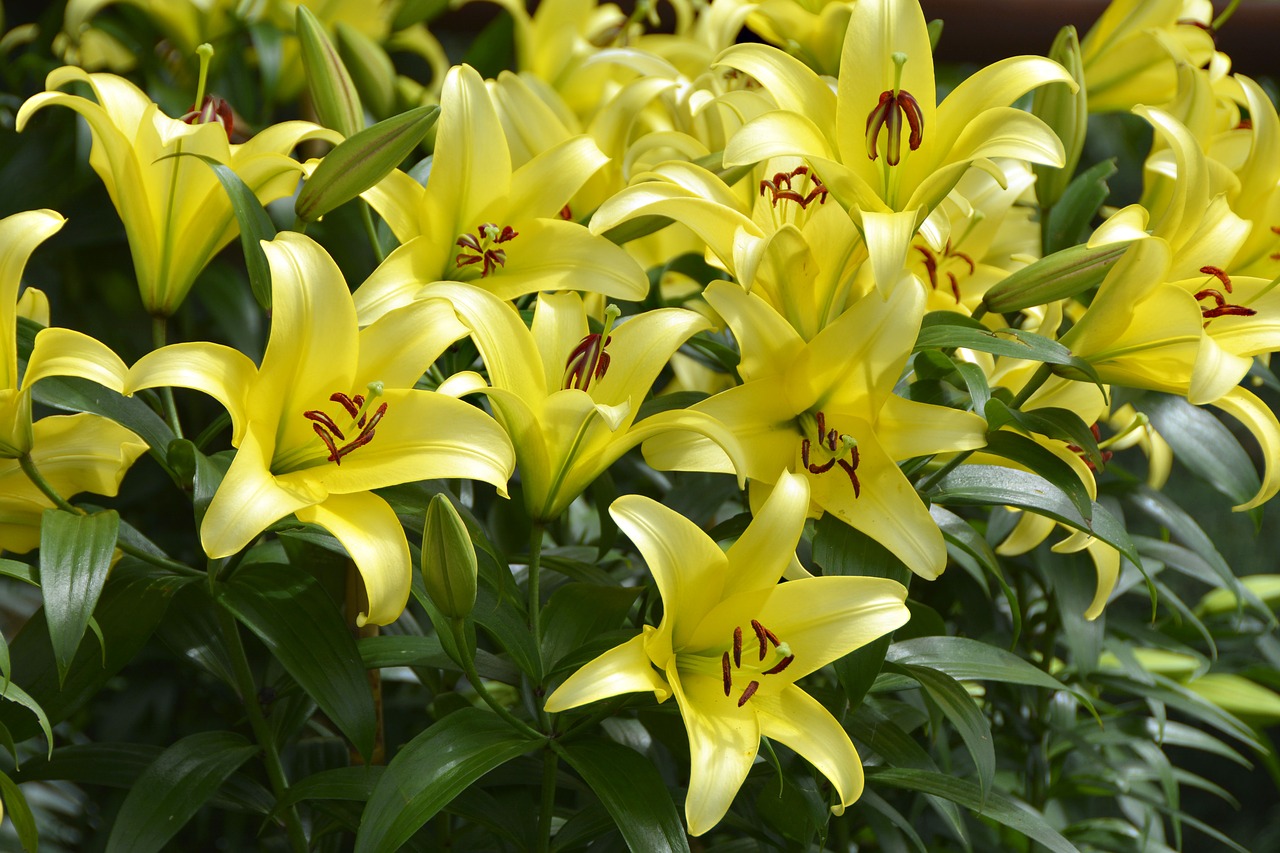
(728, 677)
(888, 113)
(737, 647)
(589, 359)
(357, 407)
(748, 693)
(780, 188)
(480, 246)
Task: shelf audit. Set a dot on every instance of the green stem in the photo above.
(1043, 372)
(979, 312)
(367, 216)
(159, 334)
(535, 584)
(550, 763)
(458, 627)
(249, 696)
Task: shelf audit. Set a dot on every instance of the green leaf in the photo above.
(342, 783)
(1062, 424)
(958, 706)
(971, 660)
(361, 161)
(948, 330)
(1044, 462)
(255, 226)
(19, 571)
(991, 485)
(75, 557)
(14, 693)
(1202, 443)
(382, 652)
(132, 603)
(431, 770)
(966, 545)
(995, 805)
(173, 788)
(1070, 219)
(841, 550)
(632, 790)
(190, 630)
(493, 50)
(17, 810)
(302, 627)
(577, 612)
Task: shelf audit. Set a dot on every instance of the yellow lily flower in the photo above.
(810, 30)
(331, 414)
(881, 146)
(479, 221)
(826, 410)
(20, 234)
(733, 641)
(567, 398)
(74, 453)
(1131, 53)
(176, 214)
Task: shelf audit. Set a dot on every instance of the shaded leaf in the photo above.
(632, 790)
(75, 557)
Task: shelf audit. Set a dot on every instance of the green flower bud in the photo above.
(1057, 276)
(1067, 113)
(370, 67)
(448, 560)
(333, 94)
(361, 161)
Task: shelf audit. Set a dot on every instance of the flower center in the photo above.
(840, 450)
(1221, 307)
(777, 653)
(934, 264)
(361, 423)
(781, 187)
(479, 248)
(589, 360)
(887, 115)
(212, 110)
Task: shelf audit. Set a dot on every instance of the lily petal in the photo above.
(622, 669)
(795, 718)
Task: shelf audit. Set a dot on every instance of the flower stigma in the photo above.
(589, 359)
(207, 108)
(888, 114)
(479, 248)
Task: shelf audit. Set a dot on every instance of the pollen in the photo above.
(357, 407)
(479, 248)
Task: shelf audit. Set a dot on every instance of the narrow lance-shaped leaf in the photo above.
(174, 788)
(431, 770)
(24, 821)
(361, 161)
(959, 708)
(632, 791)
(75, 557)
(255, 226)
(300, 624)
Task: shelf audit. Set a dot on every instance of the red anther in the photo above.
(327, 439)
(962, 256)
(804, 452)
(815, 468)
(955, 286)
(851, 468)
(780, 188)
(1275, 229)
(728, 677)
(780, 665)
(888, 114)
(1221, 307)
(1244, 124)
(821, 420)
(832, 438)
(588, 361)
(212, 110)
(771, 637)
(1219, 274)
(479, 244)
(737, 647)
(762, 636)
(930, 265)
(352, 405)
(566, 213)
(322, 420)
(1191, 22)
(748, 693)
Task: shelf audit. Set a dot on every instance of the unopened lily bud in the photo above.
(370, 67)
(1066, 112)
(1057, 276)
(449, 567)
(361, 161)
(333, 94)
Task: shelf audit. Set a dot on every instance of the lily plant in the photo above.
(570, 398)
(331, 414)
(733, 642)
